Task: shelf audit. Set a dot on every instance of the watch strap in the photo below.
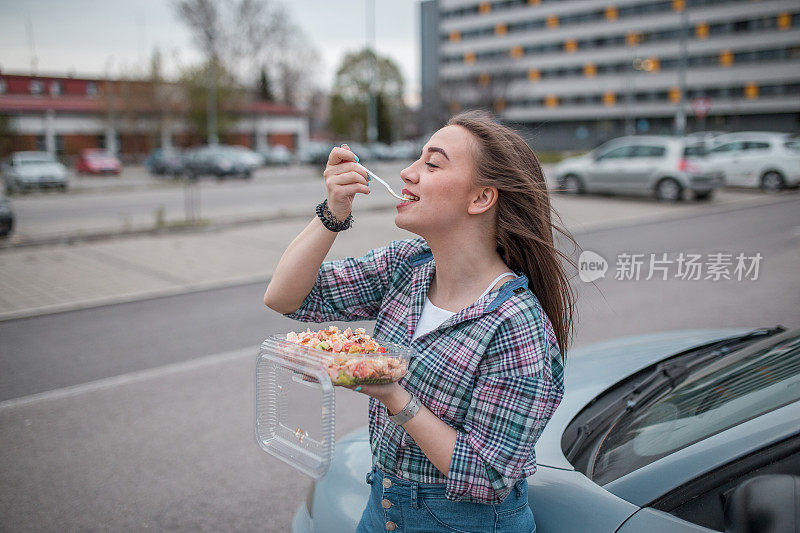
(408, 412)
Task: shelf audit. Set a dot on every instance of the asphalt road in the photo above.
(134, 200)
(144, 412)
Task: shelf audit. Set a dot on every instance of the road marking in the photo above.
(131, 377)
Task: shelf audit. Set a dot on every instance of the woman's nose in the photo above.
(409, 174)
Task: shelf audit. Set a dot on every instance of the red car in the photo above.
(98, 161)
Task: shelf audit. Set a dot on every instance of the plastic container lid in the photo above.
(295, 401)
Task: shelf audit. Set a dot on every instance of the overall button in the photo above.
(386, 503)
(387, 483)
(390, 526)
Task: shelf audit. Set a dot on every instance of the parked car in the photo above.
(664, 166)
(682, 431)
(314, 153)
(362, 151)
(97, 161)
(381, 151)
(706, 137)
(23, 171)
(767, 160)
(405, 150)
(276, 155)
(162, 162)
(6, 216)
(248, 157)
(220, 161)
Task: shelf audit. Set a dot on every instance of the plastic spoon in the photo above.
(374, 176)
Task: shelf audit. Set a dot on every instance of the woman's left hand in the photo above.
(389, 394)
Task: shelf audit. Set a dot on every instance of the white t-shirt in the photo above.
(432, 316)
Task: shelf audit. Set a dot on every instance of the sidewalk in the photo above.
(63, 277)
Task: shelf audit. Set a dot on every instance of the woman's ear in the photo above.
(483, 200)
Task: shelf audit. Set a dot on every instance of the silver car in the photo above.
(666, 167)
(682, 431)
(23, 171)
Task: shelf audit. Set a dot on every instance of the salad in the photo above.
(354, 357)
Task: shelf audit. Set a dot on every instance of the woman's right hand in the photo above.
(343, 179)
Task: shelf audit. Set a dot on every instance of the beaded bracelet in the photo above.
(330, 221)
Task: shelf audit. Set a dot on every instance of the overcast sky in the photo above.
(95, 37)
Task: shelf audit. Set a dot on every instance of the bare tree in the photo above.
(238, 33)
(295, 64)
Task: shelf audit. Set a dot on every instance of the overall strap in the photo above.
(492, 284)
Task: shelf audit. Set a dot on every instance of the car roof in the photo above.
(748, 135)
(629, 139)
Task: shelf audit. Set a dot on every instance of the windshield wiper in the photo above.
(665, 375)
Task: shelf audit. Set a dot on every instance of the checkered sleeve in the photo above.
(352, 289)
(515, 395)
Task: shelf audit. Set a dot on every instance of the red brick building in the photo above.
(64, 115)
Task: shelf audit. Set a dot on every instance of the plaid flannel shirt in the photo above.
(493, 371)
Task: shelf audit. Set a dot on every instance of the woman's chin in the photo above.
(404, 222)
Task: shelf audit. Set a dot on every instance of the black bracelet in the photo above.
(330, 221)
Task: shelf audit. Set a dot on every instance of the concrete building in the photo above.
(578, 72)
(64, 115)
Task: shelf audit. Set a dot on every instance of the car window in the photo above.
(695, 150)
(728, 147)
(756, 145)
(616, 153)
(793, 144)
(648, 151)
(715, 397)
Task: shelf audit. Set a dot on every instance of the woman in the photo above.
(485, 303)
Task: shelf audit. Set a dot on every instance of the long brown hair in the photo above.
(524, 229)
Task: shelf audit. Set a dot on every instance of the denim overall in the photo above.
(399, 505)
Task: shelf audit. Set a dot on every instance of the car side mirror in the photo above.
(763, 504)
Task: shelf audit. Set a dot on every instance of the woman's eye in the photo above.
(432, 165)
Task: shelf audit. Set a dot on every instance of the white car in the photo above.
(23, 171)
(663, 166)
(767, 160)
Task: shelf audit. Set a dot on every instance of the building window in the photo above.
(56, 88)
(91, 88)
(2, 86)
(36, 87)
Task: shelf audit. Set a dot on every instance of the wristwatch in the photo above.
(407, 413)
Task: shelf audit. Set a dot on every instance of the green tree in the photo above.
(350, 95)
(193, 79)
(264, 86)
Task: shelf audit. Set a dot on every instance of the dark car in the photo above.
(6, 216)
(163, 162)
(98, 161)
(220, 161)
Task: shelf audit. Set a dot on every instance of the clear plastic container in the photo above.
(295, 400)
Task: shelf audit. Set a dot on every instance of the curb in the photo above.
(130, 298)
(204, 225)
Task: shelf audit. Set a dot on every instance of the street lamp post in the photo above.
(111, 131)
(372, 103)
(211, 102)
(680, 114)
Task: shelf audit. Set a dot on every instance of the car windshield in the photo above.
(793, 144)
(743, 385)
(98, 154)
(42, 160)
